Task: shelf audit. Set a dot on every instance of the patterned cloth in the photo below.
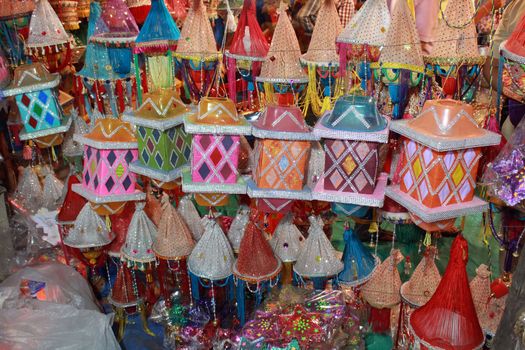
(346, 9)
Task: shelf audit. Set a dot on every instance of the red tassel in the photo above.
(379, 319)
(231, 79)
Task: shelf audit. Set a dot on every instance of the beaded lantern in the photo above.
(282, 79)
(400, 65)
(197, 52)
(163, 145)
(191, 217)
(14, 19)
(105, 89)
(362, 37)
(247, 50)
(256, 268)
(238, 227)
(352, 134)
(317, 259)
(153, 50)
(216, 129)
(439, 164)
(455, 55)
(41, 114)
(140, 9)
(107, 181)
(286, 243)
(322, 61)
(47, 40)
(67, 11)
(281, 154)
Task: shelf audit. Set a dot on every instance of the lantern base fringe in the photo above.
(315, 91)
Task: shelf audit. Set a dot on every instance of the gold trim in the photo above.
(453, 61)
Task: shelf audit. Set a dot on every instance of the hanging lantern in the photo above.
(282, 79)
(191, 217)
(14, 22)
(256, 265)
(107, 89)
(317, 260)
(400, 65)
(119, 226)
(107, 181)
(247, 50)
(238, 227)
(322, 62)
(140, 9)
(197, 52)
(352, 134)
(67, 12)
(33, 87)
(455, 56)
(28, 193)
(216, 129)
(83, 8)
(443, 142)
(362, 38)
(137, 252)
(163, 145)
(70, 148)
(178, 9)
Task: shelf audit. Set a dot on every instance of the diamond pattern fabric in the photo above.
(215, 158)
(38, 110)
(164, 150)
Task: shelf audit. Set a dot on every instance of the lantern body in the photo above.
(38, 110)
(438, 179)
(106, 171)
(163, 150)
(351, 166)
(215, 158)
(68, 13)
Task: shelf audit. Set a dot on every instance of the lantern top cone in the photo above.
(159, 32)
(368, 26)
(123, 293)
(322, 48)
(456, 38)
(90, 230)
(238, 227)
(70, 148)
(514, 47)
(282, 122)
(249, 42)
(109, 133)
(355, 118)
(287, 240)
(359, 263)
(45, 28)
(282, 64)
(31, 77)
(256, 261)
(445, 125)
(15, 9)
(116, 25)
(212, 258)
(139, 240)
(72, 205)
(174, 240)
(382, 290)
(423, 282)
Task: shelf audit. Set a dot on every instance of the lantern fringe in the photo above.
(314, 93)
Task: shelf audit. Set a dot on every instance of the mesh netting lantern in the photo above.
(400, 65)
(352, 134)
(322, 61)
(14, 21)
(153, 48)
(67, 11)
(441, 151)
(282, 79)
(163, 145)
(238, 227)
(197, 53)
(41, 114)
(247, 50)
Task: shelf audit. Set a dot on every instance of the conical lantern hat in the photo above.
(455, 45)
(424, 281)
(29, 190)
(382, 290)
(109, 133)
(217, 115)
(402, 49)
(359, 263)
(322, 50)
(238, 226)
(52, 191)
(45, 28)
(89, 230)
(282, 64)
(480, 289)
(317, 257)
(159, 29)
(71, 148)
(514, 46)
(368, 26)
(119, 226)
(73, 203)
(116, 24)
(196, 37)
(123, 293)
(141, 234)
(212, 258)
(256, 261)
(174, 241)
(287, 240)
(191, 217)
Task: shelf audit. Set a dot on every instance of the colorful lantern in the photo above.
(107, 180)
(281, 153)
(353, 132)
(119, 226)
(191, 217)
(28, 193)
(178, 9)
(238, 227)
(424, 281)
(362, 38)
(197, 52)
(52, 191)
(322, 61)
(163, 145)
(137, 251)
(33, 87)
(156, 40)
(14, 21)
(452, 301)
(215, 148)
(317, 260)
(83, 8)
(68, 13)
(282, 79)
(140, 9)
(400, 65)
(481, 293)
(287, 242)
(106, 89)
(256, 265)
(440, 162)
(71, 148)
(455, 55)
(248, 49)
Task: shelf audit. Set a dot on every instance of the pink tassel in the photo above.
(230, 62)
(343, 51)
